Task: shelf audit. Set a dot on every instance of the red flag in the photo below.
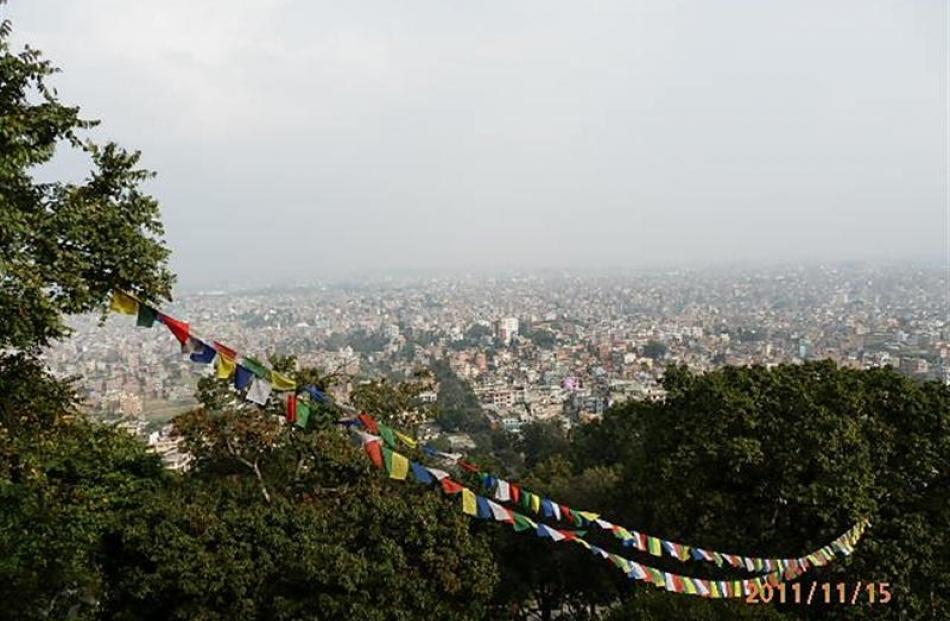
(375, 454)
(451, 487)
(678, 585)
(180, 329)
(291, 408)
(566, 512)
(369, 422)
(225, 351)
(467, 466)
(515, 492)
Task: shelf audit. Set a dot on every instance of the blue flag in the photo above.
(422, 475)
(204, 354)
(242, 378)
(484, 511)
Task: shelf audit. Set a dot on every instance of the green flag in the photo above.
(146, 317)
(303, 414)
(255, 367)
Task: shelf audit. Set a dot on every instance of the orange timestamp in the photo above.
(821, 593)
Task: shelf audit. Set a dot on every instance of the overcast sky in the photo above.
(298, 138)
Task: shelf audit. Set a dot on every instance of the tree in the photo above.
(65, 247)
(279, 522)
(780, 461)
(654, 350)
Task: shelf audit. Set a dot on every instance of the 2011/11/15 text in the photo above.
(821, 593)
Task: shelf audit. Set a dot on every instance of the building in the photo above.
(507, 329)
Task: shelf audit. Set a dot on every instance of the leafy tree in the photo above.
(777, 462)
(64, 247)
(459, 408)
(654, 349)
(62, 491)
(332, 539)
(541, 440)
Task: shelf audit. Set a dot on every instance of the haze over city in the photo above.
(298, 140)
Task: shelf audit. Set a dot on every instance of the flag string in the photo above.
(260, 382)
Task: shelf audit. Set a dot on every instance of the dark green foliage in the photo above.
(459, 409)
(63, 491)
(654, 350)
(777, 462)
(336, 541)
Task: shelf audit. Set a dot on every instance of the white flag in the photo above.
(502, 491)
(259, 391)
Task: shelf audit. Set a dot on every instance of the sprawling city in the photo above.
(532, 347)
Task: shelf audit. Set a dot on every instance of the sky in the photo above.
(299, 139)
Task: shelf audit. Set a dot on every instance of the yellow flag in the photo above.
(400, 467)
(587, 515)
(535, 503)
(224, 366)
(410, 442)
(124, 303)
(689, 586)
(279, 382)
(468, 502)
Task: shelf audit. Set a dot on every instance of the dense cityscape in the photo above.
(532, 347)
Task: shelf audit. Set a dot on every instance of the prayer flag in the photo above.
(421, 474)
(410, 442)
(396, 464)
(123, 303)
(282, 382)
(438, 474)
(702, 586)
(242, 378)
(689, 586)
(315, 393)
(500, 513)
(291, 408)
(259, 391)
(369, 422)
(180, 329)
(203, 353)
(515, 492)
(451, 487)
(386, 433)
(224, 367)
(523, 522)
(468, 502)
(190, 346)
(146, 316)
(255, 367)
(303, 413)
(546, 531)
(636, 571)
(484, 510)
(375, 453)
(654, 546)
(502, 491)
(535, 503)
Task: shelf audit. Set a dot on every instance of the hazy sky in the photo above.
(297, 137)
